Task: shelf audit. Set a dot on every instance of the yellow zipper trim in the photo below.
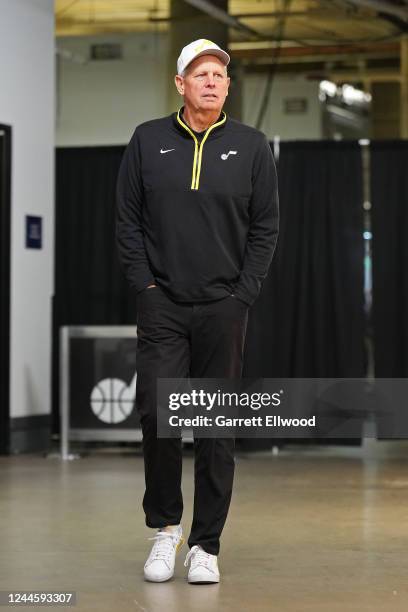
(195, 147)
(200, 154)
(199, 147)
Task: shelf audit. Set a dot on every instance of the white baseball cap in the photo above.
(196, 49)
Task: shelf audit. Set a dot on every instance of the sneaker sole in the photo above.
(203, 581)
(158, 579)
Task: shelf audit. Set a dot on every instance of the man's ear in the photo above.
(179, 81)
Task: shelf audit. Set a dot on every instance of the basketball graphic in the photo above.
(112, 400)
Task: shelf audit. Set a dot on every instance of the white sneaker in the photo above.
(159, 566)
(203, 568)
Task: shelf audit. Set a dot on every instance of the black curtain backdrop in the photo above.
(90, 288)
(389, 214)
(309, 319)
(89, 284)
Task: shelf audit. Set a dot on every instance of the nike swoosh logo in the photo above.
(166, 150)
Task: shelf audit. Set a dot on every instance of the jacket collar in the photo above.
(184, 128)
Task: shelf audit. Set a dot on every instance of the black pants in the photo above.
(177, 340)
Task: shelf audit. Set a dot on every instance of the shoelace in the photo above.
(163, 548)
(198, 556)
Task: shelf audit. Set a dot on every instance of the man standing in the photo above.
(197, 225)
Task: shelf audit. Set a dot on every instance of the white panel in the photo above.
(101, 102)
(277, 123)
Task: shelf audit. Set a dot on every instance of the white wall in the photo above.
(102, 101)
(27, 104)
(276, 123)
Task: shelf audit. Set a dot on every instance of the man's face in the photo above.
(205, 84)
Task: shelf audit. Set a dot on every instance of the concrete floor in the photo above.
(308, 530)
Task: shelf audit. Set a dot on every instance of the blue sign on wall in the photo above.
(33, 232)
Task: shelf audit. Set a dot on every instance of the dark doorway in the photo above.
(5, 207)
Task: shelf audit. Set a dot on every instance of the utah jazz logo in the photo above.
(112, 400)
(203, 45)
(224, 156)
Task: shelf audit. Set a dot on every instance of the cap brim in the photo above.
(222, 55)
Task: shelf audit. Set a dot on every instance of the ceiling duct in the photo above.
(214, 11)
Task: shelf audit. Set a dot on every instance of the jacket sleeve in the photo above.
(129, 232)
(263, 225)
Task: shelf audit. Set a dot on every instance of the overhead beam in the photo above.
(317, 51)
(315, 13)
(210, 9)
(367, 74)
(122, 27)
(274, 14)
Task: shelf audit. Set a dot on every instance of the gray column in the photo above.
(385, 109)
(404, 88)
(188, 24)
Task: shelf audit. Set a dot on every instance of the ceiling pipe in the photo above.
(383, 7)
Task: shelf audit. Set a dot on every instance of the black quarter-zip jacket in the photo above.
(198, 218)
